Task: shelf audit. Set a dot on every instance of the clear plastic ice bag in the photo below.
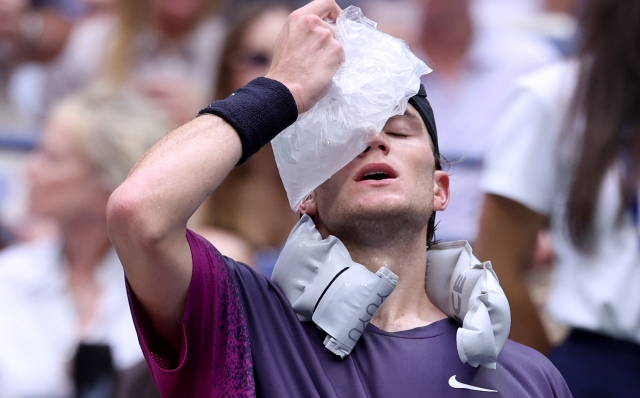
(375, 82)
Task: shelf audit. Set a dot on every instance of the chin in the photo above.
(377, 223)
(382, 201)
(380, 209)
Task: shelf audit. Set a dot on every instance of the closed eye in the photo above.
(398, 135)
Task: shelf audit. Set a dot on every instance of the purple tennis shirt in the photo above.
(243, 339)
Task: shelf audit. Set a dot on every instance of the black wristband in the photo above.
(258, 112)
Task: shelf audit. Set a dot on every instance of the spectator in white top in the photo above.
(567, 153)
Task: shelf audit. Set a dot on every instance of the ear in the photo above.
(440, 190)
(309, 205)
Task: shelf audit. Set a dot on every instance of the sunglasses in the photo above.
(248, 59)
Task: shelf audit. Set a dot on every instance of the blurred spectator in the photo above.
(567, 154)
(5, 236)
(75, 9)
(64, 299)
(136, 382)
(235, 8)
(26, 34)
(163, 48)
(398, 18)
(553, 20)
(473, 69)
(32, 32)
(252, 202)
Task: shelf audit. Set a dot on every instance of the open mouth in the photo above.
(376, 172)
(378, 175)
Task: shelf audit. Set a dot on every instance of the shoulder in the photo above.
(236, 278)
(542, 97)
(92, 30)
(531, 369)
(88, 40)
(228, 243)
(513, 51)
(526, 135)
(522, 354)
(210, 263)
(215, 27)
(29, 271)
(553, 83)
(26, 261)
(208, 36)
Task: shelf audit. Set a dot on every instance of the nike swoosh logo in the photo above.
(456, 384)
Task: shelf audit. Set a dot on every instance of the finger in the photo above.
(330, 26)
(322, 8)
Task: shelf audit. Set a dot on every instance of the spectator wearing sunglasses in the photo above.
(266, 223)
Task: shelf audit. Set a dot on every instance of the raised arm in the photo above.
(147, 215)
(507, 237)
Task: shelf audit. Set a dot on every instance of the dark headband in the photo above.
(422, 105)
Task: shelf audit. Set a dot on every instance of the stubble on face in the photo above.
(376, 223)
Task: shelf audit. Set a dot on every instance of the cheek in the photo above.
(325, 195)
(328, 195)
(424, 179)
(43, 178)
(49, 193)
(59, 179)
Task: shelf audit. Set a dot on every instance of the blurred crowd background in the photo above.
(86, 86)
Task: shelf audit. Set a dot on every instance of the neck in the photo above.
(85, 245)
(446, 41)
(408, 306)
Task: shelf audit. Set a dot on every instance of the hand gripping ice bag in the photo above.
(375, 82)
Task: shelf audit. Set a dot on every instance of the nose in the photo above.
(378, 142)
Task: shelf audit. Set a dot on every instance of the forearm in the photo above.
(507, 237)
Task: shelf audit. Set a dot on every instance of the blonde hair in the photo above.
(134, 17)
(114, 128)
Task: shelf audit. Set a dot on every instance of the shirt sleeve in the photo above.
(520, 164)
(215, 360)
